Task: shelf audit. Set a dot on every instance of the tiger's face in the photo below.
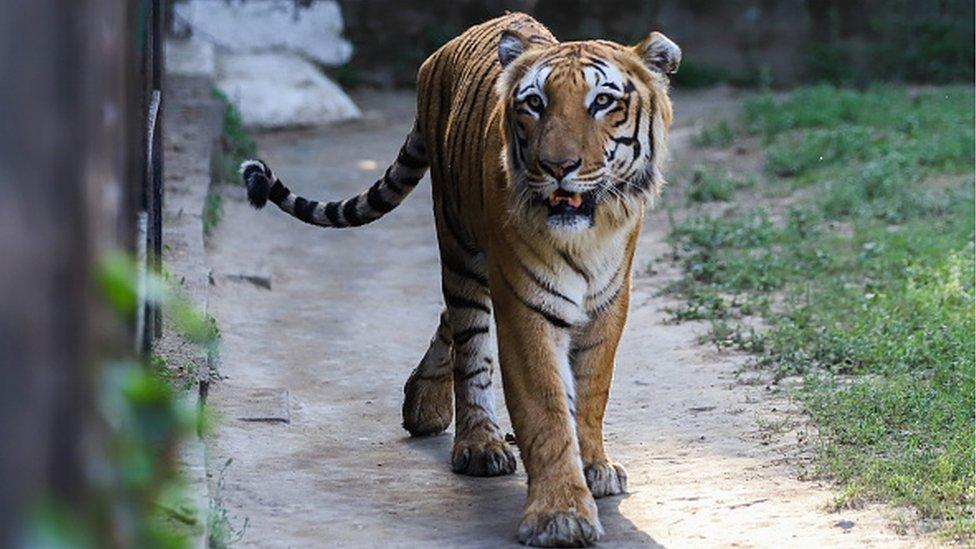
(585, 126)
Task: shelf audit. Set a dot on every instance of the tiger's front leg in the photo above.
(533, 350)
(480, 448)
(592, 355)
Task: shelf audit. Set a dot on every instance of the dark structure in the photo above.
(80, 176)
(747, 42)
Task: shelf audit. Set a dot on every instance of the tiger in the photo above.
(543, 157)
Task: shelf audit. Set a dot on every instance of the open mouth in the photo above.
(567, 207)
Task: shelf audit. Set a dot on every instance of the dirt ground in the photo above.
(310, 407)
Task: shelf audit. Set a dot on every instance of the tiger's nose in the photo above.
(560, 168)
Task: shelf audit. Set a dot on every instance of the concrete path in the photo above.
(350, 313)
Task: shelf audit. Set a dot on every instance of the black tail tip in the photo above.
(257, 180)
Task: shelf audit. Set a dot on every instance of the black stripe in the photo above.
(456, 232)
(464, 336)
(391, 183)
(606, 304)
(635, 140)
(332, 214)
(609, 284)
(626, 107)
(349, 212)
(418, 140)
(459, 302)
(574, 266)
(436, 377)
(473, 373)
(460, 270)
(576, 351)
(376, 201)
(600, 70)
(409, 160)
(553, 319)
(409, 181)
(304, 209)
(544, 285)
(278, 192)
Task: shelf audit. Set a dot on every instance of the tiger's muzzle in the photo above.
(567, 209)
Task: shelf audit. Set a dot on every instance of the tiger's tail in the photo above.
(400, 178)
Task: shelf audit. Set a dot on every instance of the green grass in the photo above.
(871, 269)
(719, 134)
(221, 533)
(236, 145)
(715, 186)
(213, 211)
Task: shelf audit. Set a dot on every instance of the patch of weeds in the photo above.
(213, 211)
(133, 495)
(873, 269)
(725, 334)
(221, 533)
(719, 134)
(236, 145)
(176, 515)
(181, 376)
(700, 304)
(797, 153)
(713, 186)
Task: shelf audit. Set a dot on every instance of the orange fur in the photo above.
(459, 109)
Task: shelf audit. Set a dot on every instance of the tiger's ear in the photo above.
(659, 53)
(511, 44)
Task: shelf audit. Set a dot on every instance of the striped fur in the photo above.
(382, 197)
(543, 156)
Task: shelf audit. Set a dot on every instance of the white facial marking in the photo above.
(603, 79)
(533, 83)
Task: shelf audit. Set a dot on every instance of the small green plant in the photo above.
(713, 186)
(213, 211)
(133, 495)
(236, 145)
(221, 534)
(719, 134)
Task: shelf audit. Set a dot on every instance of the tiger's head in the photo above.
(585, 127)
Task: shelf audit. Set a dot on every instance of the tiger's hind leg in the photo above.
(428, 403)
(480, 448)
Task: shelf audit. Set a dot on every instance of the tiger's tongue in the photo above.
(574, 200)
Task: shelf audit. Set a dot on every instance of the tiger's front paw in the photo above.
(257, 178)
(606, 479)
(572, 523)
(486, 458)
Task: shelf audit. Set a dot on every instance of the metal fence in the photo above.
(150, 28)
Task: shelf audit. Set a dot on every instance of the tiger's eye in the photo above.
(603, 100)
(534, 101)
